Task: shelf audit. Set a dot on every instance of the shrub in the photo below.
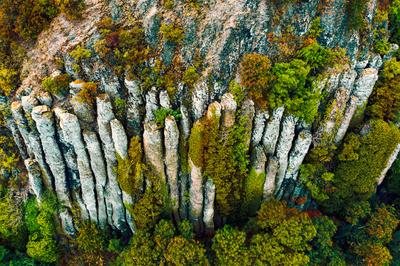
(290, 88)
(318, 57)
(12, 227)
(229, 245)
(90, 242)
(42, 245)
(120, 107)
(80, 53)
(130, 170)
(58, 85)
(72, 8)
(356, 180)
(384, 102)
(172, 33)
(255, 76)
(318, 180)
(162, 113)
(181, 251)
(356, 10)
(190, 76)
(88, 93)
(8, 81)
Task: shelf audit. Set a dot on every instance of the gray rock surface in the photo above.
(43, 117)
(153, 148)
(298, 153)
(209, 198)
(35, 178)
(151, 104)
(283, 147)
(113, 191)
(134, 113)
(270, 178)
(72, 134)
(171, 143)
(100, 173)
(271, 132)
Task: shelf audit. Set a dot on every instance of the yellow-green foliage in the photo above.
(255, 76)
(162, 247)
(129, 170)
(72, 8)
(190, 76)
(196, 144)
(253, 192)
(122, 49)
(8, 81)
(90, 242)
(318, 180)
(12, 227)
(57, 85)
(172, 33)
(80, 53)
(153, 203)
(88, 93)
(384, 102)
(356, 177)
(223, 156)
(42, 245)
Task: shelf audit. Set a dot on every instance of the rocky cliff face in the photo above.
(72, 149)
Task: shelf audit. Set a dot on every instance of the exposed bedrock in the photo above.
(153, 148)
(35, 178)
(120, 140)
(171, 143)
(72, 134)
(271, 132)
(115, 207)
(209, 198)
(298, 153)
(100, 173)
(134, 114)
(43, 117)
(283, 147)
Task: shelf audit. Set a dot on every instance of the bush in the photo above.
(190, 76)
(356, 10)
(90, 242)
(12, 227)
(172, 33)
(41, 245)
(255, 76)
(88, 93)
(8, 81)
(384, 102)
(162, 113)
(356, 179)
(80, 53)
(58, 85)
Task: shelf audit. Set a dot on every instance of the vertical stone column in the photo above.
(113, 191)
(43, 117)
(134, 114)
(68, 152)
(121, 148)
(209, 198)
(183, 170)
(100, 173)
(284, 146)
(72, 134)
(199, 99)
(153, 150)
(298, 153)
(271, 132)
(35, 178)
(270, 182)
(171, 143)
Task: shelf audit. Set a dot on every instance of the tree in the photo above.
(181, 251)
(229, 247)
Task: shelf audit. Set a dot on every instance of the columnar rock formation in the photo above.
(77, 146)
